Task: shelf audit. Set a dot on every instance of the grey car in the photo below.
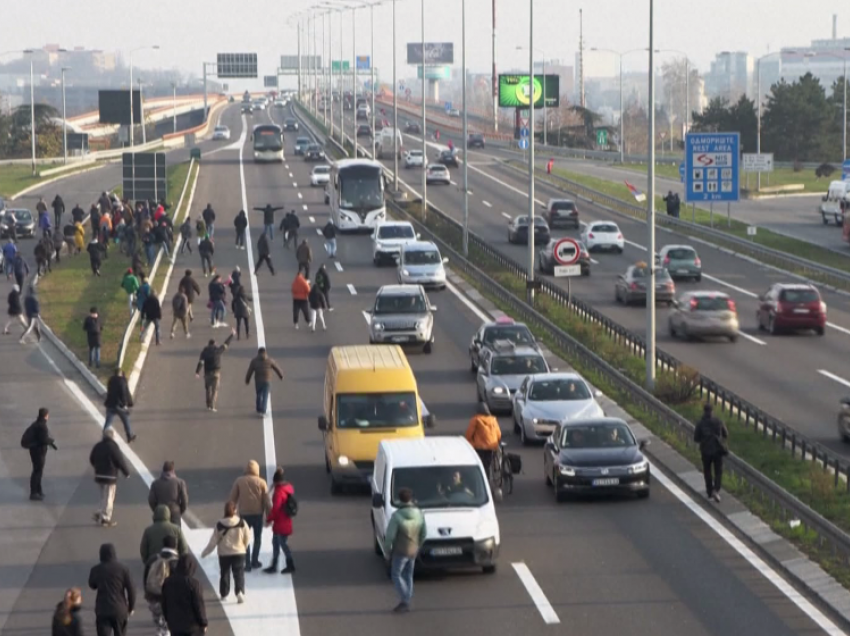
(402, 315)
(502, 369)
(503, 328)
(543, 401)
(701, 314)
(420, 263)
(631, 286)
(682, 261)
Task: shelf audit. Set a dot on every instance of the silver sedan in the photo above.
(546, 400)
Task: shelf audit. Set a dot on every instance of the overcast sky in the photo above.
(192, 31)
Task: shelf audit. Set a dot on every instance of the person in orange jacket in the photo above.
(484, 434)
(300, 296)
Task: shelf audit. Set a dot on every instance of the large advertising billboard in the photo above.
(114, 107)
(236, 65)
(515, 91)
(435, 53)
(435, 72)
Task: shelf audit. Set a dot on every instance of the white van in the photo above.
(450, 487)
(384, 143)
(838, 191)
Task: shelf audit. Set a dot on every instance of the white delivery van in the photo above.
(450, 487)
(384, 142)
(838, 191)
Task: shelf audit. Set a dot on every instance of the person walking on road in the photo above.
(157, 570)
(264, 253)
(206, 249)
(284, 507)
(95, 250)
(79, 236)
(210, 362)
(169, 490)
(20, 269)
(713, 438)
(209, 218)
(201, 229)
(160, 528)
(118, 402)
(15, 310)
(317, 307)
(152, 313)
(116, 594)
(36, 439)
(190, 287)
(300, 299)
(143, 292)
(218, 295)
(42, 257)
(329, 232)
(261, 369)
(183, 600)
(304, 255)
(240, 223)
(250, 494)
(43, 219)
(484, 435)
(107, 460)
(94, 329)
(268, 219)
(289, 225)
(10, 251)
(130, 285)
(186, 235)
(77, 214)
(323, 282)
(231, 538)
(241, 305)
(66, 617)
(58, 206)
(180, 313)
(94, 219)
(406, 533)
(32, 309)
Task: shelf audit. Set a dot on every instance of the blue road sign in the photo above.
(523, 132)
(711, 166)
(523, 143)
(682, 172)
(448, 106)
(845, 169)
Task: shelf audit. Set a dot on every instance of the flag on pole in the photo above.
(637, 194)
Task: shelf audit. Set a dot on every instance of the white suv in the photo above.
(388, 238)
(414, 159)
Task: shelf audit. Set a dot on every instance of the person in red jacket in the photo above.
(300, 294)
(281, 522)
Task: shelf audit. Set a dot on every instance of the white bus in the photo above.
(268, 142)
(356, 194)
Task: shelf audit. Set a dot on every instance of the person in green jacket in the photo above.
(406, 533)
(130, 284)
(154, 533)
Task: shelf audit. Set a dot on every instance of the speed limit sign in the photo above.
(566, 253)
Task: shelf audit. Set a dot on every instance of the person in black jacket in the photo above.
(39, 440)
(118, 402)
(264, 253)
(240, 223)
(42, 257)
(186, 235)
(16, 309)
(206, 249)
(95, 250)
(209, 219)
(116, 595)
(329, 232)
(323, 282)
(94, 219)
(241, 308)
(218, 295)
(268, 219)
(78, 214)
(290, 225)
(152, 313)
(183, 600)
(107, 460)
(93, 329)
(32, 308)
(190, 287)
(712, 436)
(58, 206)
(66, 618)
(210, 361)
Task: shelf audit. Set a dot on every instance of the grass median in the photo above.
(70, 290)
(17, 177)
(806, 480)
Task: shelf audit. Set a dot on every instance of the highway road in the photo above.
(798, 378)
(647, 567)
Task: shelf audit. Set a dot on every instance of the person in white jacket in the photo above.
(231, 537)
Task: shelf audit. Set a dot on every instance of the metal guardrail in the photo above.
(759, 484)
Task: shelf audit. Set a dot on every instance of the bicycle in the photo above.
(501, 475)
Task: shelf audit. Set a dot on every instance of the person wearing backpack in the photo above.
(329, 232)
(160, 528)
(231, 537)
(284, 508)
(713, 438)
(157, 570)
(36, 439)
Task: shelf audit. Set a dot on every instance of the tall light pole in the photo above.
(335, 9)
(424, 125)
(529, 285)
(64, 69)
(465, 133)
(650, 212)
(153, 47)
(495, 87)
(142, 113)
(620, 56)
(545, 118)
(395, 112)
(30, 53)
(174, 106)
(372, 68)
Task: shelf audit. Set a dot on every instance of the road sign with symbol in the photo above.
(523, 132)
(752, 162)
(601, 137)
(566, 251)
(712, 166)
(523, 143)
(682, 172)
(845, 169)
(448, 107)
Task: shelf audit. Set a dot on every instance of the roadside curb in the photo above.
(72, 173)
(96, 384)
(781, 553)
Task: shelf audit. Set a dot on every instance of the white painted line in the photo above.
(637, 245)
(752, 338)
(367, 317)
(463, 298)
(338, 266)
(487, 203)
(294, 184)
(740, 290)
(536, 593)
(594, 261)
(300, 196)
(305, 207)
(287, 167)
(319, 231)
(290, 174)
(312, 218)
(506, 215)
(753, 559)
(351, 289)
(838, 328)
(834, 377)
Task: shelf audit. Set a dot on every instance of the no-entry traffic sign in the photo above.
(566, 251)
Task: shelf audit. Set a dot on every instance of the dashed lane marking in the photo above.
(351, 289)
(338, 266)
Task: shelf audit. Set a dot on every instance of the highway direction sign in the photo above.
(712, 166)
(270, 81)
(448, 107)
(523, 143)
(601, 137)
(236, 65)
(845, 169)
(752, 162)
(566, 251)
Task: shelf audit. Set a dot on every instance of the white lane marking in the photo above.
(506, 215)
(312, 218)
(740, 290)
(367, 317)
(319, 231)
(300, 196)
(305, 208)
(752, 558)
(487, 203)
(834, 377)
(338, 266)
(294, 184)
(594, 261)
(752, 338)
(351, 289)
(287, 167)
(536, 593)
(290, 174)
(637, 245)
(838, 328)
(462, 297)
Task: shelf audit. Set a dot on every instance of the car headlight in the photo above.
(567, 471)
(640, 467)
(421, 324)
(845, 406)
(343, 460)
(487, 545)
(404, 272)
(498, 390)
(378, 326)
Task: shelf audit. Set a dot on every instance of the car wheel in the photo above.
(825, 222)
(643, 494)
(698, 278)
(327, 465)
(489, 569)
(771, 326)
(473, 368)
(509, 238)
(336, 488)
(733, 339)
(559, 496)
(546, 476)
(619, 250)
(616, 294)
(671, 328)
(523, 438)
(759, 322)
(428, 348)
(586, 272)
(376, 261)
(819, 331)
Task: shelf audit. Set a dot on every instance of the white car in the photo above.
(413, 159)
(438, 173)
(221, 132)
(388, 238)
(259, 104)
(603, 235)
(454, 112)
(320, 176)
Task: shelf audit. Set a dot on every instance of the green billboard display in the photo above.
(515, 91)
(336, 66)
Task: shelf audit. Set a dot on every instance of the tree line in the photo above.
(15, 128)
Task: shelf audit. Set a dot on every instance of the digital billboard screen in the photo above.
(435, 53)
(114, 107)
(515, 91)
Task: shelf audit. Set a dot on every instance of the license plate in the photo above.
(801, 311)
(610, 481)
(442, 552)
(681, 271)
(399, 339)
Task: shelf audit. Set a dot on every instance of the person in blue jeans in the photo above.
(118, 402)
(261, 368)
(93, 328)
(406, 533)
(281, 523)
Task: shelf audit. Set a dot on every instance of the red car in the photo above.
(791, 307)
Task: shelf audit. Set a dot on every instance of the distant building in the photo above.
(824, 59)
(731, 76)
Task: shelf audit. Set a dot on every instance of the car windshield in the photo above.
(268, 140)
(518, 334)
(711, 303)
(436, 168)
(290, 122)
(441, 486)
(395, 232)
(518, 365)
(422, 257)
(361, 188)
(322, 170)
(799, 296)
(415, 153)
(376, 410)
(559, 390)
(22, 216)
(563, 205)
(314, 148)
(302, 141)
(606, 435)
(404, 304)
(643, 272)
(682, 254)
(604, 228)
(221, 128)
(476, 137)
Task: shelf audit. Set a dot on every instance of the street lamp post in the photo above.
(465, 133)
(395, 112)
(64, 119)
(372, 68)
(30, 53)
(650, 213)
(154, 47)
(174, 106)
(620, 56)
(142, 113)
(545, 116)
(424, 125)
(529, 285)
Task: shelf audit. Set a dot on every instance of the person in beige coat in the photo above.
(231, 538)
(250, 495)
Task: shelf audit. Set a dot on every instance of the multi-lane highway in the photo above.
(798, 378)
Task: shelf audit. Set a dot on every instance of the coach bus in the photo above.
(268, 143)
(356, 194)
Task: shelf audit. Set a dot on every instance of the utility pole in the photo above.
(495, 77)
(580, 59)
(529, 284)
(650, 214)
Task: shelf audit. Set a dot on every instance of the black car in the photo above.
(595, 456)
(290, 124)
(314, 152)
(24, 223)
(448, 158)
(503, 329)
(363, 130)
(546, 259)
(247, 108)
(518, 230)
(412, 127)
(475, 140)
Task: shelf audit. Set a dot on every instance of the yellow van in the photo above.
(370, 395)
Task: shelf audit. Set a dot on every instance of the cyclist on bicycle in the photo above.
(484, 434)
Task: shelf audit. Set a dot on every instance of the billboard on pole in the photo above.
(515, 91)
(270, 81)
(114, 107)
(290, 62)
(435, 53)
(363, 63)
(236, 65)
(435, 72)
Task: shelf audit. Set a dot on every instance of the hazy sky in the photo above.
(192, 31)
